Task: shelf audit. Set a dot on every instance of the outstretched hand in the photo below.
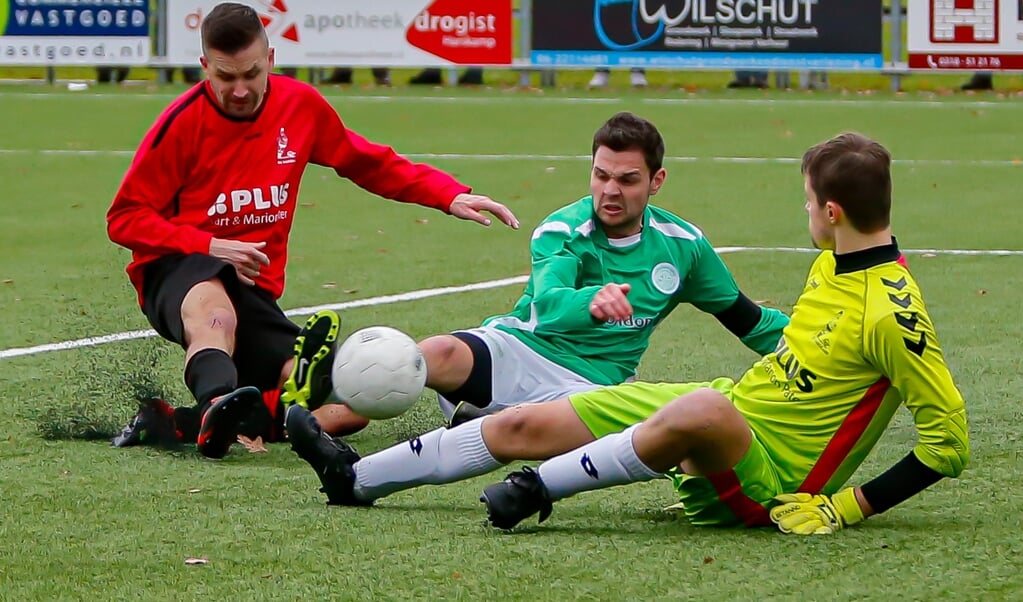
(468, 206)
(246, 257)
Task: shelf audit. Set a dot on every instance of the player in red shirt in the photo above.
(207, 207)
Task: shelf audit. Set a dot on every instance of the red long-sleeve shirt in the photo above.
(200, 174)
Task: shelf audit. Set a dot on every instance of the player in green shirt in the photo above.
(781, 442)
(606, 270)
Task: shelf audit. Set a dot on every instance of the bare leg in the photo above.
(209, 322)
(339, 420)
(530, 431)
(534, 431)
(701, 431)
(449, 362)
(209, 319)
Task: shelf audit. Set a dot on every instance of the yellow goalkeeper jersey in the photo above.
(860, 343)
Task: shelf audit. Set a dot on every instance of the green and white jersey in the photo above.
(667, 263)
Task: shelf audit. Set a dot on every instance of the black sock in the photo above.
(209, 374)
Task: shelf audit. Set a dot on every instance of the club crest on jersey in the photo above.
(284, 156)
(665, 278)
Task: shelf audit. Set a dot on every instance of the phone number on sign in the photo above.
(969, 62)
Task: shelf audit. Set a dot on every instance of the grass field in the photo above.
(81, 520)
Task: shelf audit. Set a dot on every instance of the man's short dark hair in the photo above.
(628, 131)
(855, 172)
(231, 27)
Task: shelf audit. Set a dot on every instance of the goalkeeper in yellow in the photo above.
(780, 443)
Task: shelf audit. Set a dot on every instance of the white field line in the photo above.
(538, 97)
(547, 157)
(299, 311)
(436, 292)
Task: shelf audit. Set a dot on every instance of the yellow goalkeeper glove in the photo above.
(806, 514)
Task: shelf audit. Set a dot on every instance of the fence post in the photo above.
(164, 76)
(525, 40)
(895, 21)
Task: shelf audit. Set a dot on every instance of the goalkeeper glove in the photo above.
(806, 514)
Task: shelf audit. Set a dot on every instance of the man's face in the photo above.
(621, 185)
(821, 229)
(239, 80)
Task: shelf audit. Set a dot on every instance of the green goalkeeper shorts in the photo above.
(736, 497)
(614, 409)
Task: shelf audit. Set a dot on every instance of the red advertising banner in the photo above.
(983, 35)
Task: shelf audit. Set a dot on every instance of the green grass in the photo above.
(83, 521)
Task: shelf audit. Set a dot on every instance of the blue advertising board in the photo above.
(69, 32)
(708, 34)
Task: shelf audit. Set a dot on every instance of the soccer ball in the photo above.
(379, 372)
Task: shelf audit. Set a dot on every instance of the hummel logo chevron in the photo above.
(907, 323)
(897, 285)
(901, 302)
(917, 347)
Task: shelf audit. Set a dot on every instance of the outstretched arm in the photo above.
(382, 171)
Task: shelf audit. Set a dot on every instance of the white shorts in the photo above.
(521, 375)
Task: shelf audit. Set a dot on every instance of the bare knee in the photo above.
(208, 316)
(534, 431)
(438, 351)
(215, 320)
(448, 362)
(691, 415)
(510, 433)
(512, 423)
(701, 431)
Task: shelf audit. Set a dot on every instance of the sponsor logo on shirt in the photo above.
(250, 206)
(665, 278)
(632, 322)
(794, 378)
(284, 156)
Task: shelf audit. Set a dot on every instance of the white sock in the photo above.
(606, 462)
(438, 457)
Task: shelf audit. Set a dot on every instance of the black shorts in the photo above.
(265, 337)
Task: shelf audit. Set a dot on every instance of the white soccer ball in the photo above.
(379, 372)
